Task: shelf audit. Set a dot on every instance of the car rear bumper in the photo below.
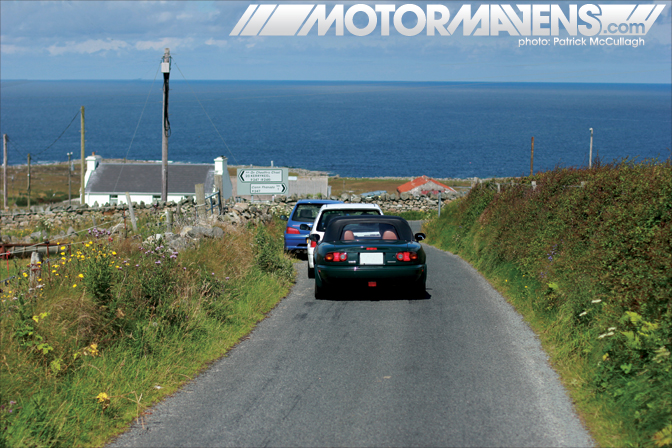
(354, 274)
(296, 242)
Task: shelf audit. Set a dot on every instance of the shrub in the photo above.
(597, 259)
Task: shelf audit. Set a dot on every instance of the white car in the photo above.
(323, 217)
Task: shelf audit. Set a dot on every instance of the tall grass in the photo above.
(591, 269)
(116, 325)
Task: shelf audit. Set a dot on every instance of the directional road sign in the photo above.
(262, 181)
(268, 189)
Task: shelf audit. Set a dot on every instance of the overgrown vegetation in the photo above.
(591, 269)
(112, 326)
(412, 215)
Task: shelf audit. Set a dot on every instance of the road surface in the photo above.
(459, 368)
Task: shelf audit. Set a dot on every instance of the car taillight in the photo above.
(292, 231)
(407, 256)
(336, 256)
(313, 244)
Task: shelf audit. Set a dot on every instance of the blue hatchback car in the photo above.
(304, 212)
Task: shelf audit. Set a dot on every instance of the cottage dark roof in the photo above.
(422, 180)
(115, 178)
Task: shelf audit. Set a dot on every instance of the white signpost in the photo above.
(262, 181)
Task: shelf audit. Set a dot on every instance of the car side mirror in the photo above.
(420, 236)
(304, 227)
(314, 237)
(284, 218)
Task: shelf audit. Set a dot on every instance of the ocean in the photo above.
(353, 129)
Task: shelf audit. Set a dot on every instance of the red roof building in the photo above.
(424, 185)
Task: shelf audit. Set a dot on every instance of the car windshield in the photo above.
(306, 212)
(369, 231)
(327, 215)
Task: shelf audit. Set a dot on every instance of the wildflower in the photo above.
(114, 253)
(81, 275)
(605, 356)
(226, 278)
(25, 275)
(102, 397)
(137, 265)
(75, 285)
(157, 262)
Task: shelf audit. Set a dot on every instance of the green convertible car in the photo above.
(369, 251)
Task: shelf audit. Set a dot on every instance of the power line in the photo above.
(58, 138)
(137, 126)
(206, 114)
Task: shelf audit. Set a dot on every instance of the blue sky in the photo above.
(122, 40)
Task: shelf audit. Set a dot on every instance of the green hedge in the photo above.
(591, 266)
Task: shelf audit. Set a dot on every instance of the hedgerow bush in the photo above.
(593, 264)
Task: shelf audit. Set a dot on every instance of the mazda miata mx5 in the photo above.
(369, 252)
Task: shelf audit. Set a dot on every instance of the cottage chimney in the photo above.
(92, 163)
(221, 165)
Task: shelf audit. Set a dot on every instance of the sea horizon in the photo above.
(456, 129)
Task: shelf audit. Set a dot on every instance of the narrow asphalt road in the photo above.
(459, 368)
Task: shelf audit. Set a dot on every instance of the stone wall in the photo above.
(41, 221)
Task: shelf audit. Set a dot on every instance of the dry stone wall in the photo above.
(41, 220)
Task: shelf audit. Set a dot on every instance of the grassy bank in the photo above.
(113, 326)
(590, 268)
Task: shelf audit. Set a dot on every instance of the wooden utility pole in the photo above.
(81, 186)
(28, 181)
(5, 139)
(532, 159)
(590, 154)
(69, 181)
(165, 68)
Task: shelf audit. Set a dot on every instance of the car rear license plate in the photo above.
(371, 258)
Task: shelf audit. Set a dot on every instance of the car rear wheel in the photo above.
(311, 271)
(320, 293)
(419, 289)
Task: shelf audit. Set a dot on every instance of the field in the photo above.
(49, 184)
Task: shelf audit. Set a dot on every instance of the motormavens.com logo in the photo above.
(487, 20)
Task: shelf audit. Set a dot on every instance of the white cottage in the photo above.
(107, 183)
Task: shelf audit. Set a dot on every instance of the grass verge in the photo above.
(117, 325)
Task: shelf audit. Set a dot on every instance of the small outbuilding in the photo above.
(424, 185)
(107, 183)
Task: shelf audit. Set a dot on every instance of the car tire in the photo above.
(320, 293)
(311, 271)
(420, 290)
